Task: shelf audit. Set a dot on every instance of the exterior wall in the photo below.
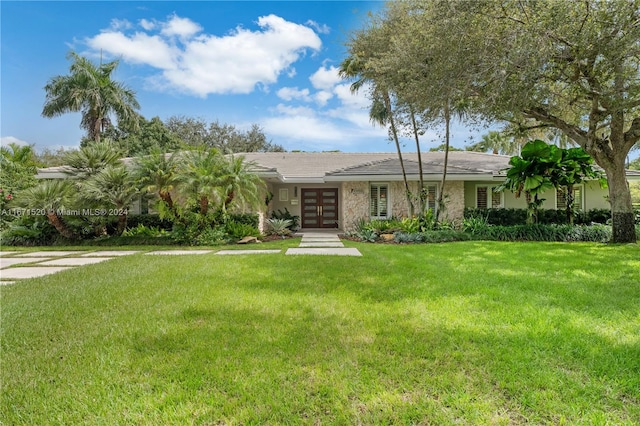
(354, 204)
(454, 193)
(355, 199)
(594, 197)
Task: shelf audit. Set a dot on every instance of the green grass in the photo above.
(459, 333)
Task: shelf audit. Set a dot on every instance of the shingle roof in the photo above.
(294, 166)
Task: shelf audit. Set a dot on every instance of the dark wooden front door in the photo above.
(320, 208)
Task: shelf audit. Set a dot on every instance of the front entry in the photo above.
(320, 208)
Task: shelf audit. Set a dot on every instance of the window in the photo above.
(487, 198)
(432, 197)
(561, 198)
(379, 203)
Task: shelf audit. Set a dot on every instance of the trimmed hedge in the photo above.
(509, 217)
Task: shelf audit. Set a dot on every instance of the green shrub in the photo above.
(237, 231)
(212, 236)
(279, 226)
(367, 235)
(29, 231)
(251, 219)
(444, 236)
(149, 220)
(475, 224)
(508, 217)
(286, 215)
(408, 237)
(144, 231)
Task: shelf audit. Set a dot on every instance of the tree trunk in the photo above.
(621, 208)
(447, 123)
(394, 132)
(204, 205)
(60, 226)
(166, 197)
(122, 224)
(569, 201)
(422, 197)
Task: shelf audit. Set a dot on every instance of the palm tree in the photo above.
(52, 196)
(115, 187)
(92, 158)
(89, 89)
(158, 173)
(18, 155)
(381, 111)
(200, 176)
(239, 184)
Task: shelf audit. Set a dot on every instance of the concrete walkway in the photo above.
(47, 262)
(322, 243)
(16, 265)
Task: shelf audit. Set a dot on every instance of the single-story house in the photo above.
(337, 189)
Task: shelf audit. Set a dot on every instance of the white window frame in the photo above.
(490, 187)
(379, 185)
(579, 186)
(428, 185)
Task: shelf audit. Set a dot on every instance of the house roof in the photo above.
(307, 167)
(320, 167)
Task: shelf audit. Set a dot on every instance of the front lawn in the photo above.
(464, 333)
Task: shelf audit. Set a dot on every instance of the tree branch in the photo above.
(632, 135)
(574, 132)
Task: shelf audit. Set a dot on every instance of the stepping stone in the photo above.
(110, 253)
(316, 244)
(74, 261)
(176, 252)
(320, 240)
(345, 251)
(7, 282)
(50, 253)
(226, 252)
(7, 253)
(32, 271)
(5, 262)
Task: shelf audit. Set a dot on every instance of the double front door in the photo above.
(320, 208)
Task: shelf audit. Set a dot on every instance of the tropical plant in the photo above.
(530, 174)
(199, 177)
(92, 158)
(574, 167)
(519, 62)
(279, 226)
(90, 90)
(239, 184)
(158, 173)
(115, 187)
(381, 111)
(286, 214)
(51, 198)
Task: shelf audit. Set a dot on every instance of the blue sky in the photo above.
(239, 62)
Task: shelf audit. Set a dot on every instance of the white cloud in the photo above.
(295, 111)
(120, 24)
(6, 140)
(181, 27)
(325, 78)
(303, 129)
(202, 64)
(322, 97)
(355, 100)
(291, 93)
(147, 25)
(139, 48)
(321, 28)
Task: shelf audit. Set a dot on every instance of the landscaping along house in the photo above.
(336, 189)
